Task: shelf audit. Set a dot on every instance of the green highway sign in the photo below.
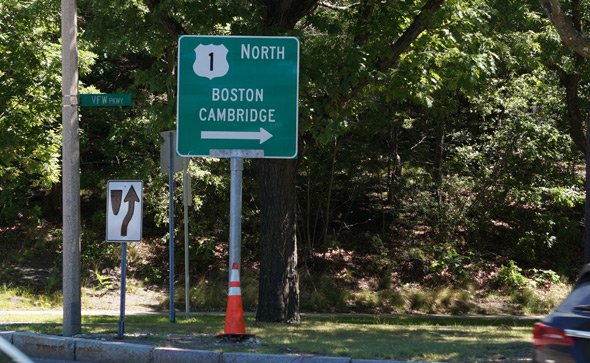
(105, 100)
(237, 96)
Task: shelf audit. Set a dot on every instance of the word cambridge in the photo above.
(237, 114)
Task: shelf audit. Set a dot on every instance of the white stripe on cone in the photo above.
(234, 291)
(235, 275)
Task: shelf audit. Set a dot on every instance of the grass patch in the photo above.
(26, 299)
(452, 339)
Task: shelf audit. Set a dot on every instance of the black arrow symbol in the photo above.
(130, 198)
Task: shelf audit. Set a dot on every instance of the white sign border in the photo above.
(247, 153)
(140, 195)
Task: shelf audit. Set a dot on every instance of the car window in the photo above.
(9, 354)
(5, 358)
(580, 296)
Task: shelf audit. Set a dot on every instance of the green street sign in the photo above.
(105, 100)
(237, 96)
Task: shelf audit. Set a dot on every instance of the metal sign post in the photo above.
(187, 201)
(235, 213)
(171, 231)
(171, 162)
(121, 330)
(124, 223)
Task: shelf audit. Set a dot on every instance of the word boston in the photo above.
(237, 96)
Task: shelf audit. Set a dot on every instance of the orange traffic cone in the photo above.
(234, 328)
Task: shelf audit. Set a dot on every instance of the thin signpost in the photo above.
(124, 224)
(171, 231)
(235, 213)
(171, 162)
(121, 330)
(186, 196)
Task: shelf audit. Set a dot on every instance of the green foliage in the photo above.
(103, 281)
(418, 301)
(531, 301)
(450, 262)
(545, 278)
(30, 77)
(456, 155)
(29, 103)
(513, 277)
(510, 276)
(25, 299)
(324, 294)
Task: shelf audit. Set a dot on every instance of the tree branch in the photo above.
(402, 44)
(328, 5)
(573, 39)
(286, 13)
(173, 27)
(419, 25)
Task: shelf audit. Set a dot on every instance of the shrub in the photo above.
(324, 294)
(393, 300)
(366, 302)
(418, 301)
(511, 276)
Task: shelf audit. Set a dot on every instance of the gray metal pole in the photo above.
(121, 331)
(171, 222)
(70, 172)
(235, 213)
(185, 186)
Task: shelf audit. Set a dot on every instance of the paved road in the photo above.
(41, 360)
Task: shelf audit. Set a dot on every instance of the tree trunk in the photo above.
(570, 36)
(279, 283)
(278, 289)
(278, 295)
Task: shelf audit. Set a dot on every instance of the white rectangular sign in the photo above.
(124, 210)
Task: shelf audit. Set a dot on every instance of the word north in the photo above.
(262, 52)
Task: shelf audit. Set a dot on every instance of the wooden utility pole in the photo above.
(70, 172)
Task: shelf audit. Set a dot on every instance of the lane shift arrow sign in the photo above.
(124, 210)
(130, 198)
(261, 135)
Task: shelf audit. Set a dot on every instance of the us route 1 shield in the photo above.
(237, 96)
(124, 210)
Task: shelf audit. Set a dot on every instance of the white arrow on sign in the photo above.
(261, 135)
